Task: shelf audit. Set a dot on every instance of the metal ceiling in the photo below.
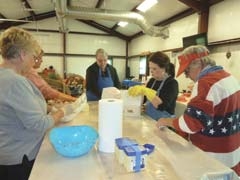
(163, 13)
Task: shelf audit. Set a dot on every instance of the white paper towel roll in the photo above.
(109, 123)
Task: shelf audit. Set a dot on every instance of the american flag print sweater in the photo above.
(212, 117)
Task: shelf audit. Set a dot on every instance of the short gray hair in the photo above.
(103, 52)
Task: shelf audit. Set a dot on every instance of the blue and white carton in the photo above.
(132, 155)
(121, 143)
(135, 158)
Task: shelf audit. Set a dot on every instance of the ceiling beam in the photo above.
(38, 17)
(27, 6)
(204, 17)
(114, 27)
(105, 29)
(212, 2)
(45, 15)
(69, 32)
(203, 21)
(202, 7)
(99, 3)
(198, 6)
(2, 16)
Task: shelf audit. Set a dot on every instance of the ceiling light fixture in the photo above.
(147, 4)
(122, 23)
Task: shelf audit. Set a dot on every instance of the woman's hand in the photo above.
(165, 122)
(156, 101)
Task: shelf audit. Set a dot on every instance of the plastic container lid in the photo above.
(133, 150)
(124, 142)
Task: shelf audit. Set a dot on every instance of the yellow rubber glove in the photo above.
(142, 90)
(136, 90)
(149, 93)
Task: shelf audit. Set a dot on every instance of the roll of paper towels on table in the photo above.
(109, 123)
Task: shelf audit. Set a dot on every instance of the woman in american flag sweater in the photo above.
(212, 117)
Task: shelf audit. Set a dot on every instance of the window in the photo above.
(196, 39)
(143, 65)
(110, 60)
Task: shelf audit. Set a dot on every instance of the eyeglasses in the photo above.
(195, 64)
(37, 58)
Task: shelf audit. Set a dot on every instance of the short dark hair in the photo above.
(161, 59)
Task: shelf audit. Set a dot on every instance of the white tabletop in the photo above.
(173, 157)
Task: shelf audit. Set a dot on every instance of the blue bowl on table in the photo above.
(73, 141)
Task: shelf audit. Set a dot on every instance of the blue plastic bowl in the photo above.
(73, 141)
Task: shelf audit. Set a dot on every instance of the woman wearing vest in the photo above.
(100, 75)
(161, 91)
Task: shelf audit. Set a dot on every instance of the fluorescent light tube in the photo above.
(122, 23)
(147, 4)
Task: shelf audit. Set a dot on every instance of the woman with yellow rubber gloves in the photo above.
(161, 90)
